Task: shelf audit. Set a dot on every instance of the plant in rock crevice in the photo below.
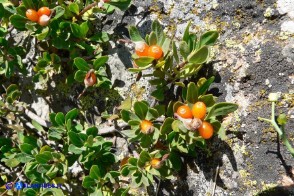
(169, 65)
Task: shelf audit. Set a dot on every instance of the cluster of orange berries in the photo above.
(42, 16)
(198, 111)
(143, 49)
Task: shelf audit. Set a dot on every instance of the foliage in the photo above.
(72, 47)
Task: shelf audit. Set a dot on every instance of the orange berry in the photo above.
(156, 163)
(184, 111)
(146, 127)
(32, 15)
(155, 52)
(199, 110)
(90, 78)
(141, 48)
(206, 130)
(44, 11)
(43, 20)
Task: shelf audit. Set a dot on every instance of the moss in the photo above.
(87, 102)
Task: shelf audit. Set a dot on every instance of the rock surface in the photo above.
(254, 56)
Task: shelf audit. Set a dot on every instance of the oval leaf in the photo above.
(199, 56)
(221, 109)
(208, 38)
(141, 110)
(192, 93)
(81, 64)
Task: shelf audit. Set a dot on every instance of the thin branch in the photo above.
(158, 186)
(87, 8)
(215, 178)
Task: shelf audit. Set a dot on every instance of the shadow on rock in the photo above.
(206, 161)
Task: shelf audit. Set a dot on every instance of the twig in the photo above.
(180, 66)
(158, 186)
(87, 8)
(215, 178)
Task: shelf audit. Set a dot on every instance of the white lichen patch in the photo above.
(241, 99)
(286, 7)
(288, 26)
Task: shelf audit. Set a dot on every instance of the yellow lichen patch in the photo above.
(242, 149)
(268, 12)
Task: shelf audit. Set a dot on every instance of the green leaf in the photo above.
(221, 109)
(144, 61)
(282, 119)
(135, 34)
(208, 38)
(125, 171)
(166, 45)
(81, 64)
(26, 148)
(92, 131)
(184, 49)
(205, 86)
(158, 94)
(143, 158)
(192, 93)
(88, 182)
(95, 172)
(72, 114)
(141, 110)
(23, 157)
(152, 39)
(100, 62)
(122, 4)
(125, 115)
(199, 56)
(12, 162)
(207, 99)
(157, 29)
(52, 119)
(41, 36)
(72, 148)
(221, 131)
(166, 126)
(126, 104)
(79, 31)
(186, 34)
(37, 126)
(44, 157)
(29, 4)
(18, 21)
(100, 37)
(73, 7)
(11, 89)
(52, 191)
(75, 139)
(59, 119)
(175, 52)
(59, 12)
(175, 160)
(80, 75)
